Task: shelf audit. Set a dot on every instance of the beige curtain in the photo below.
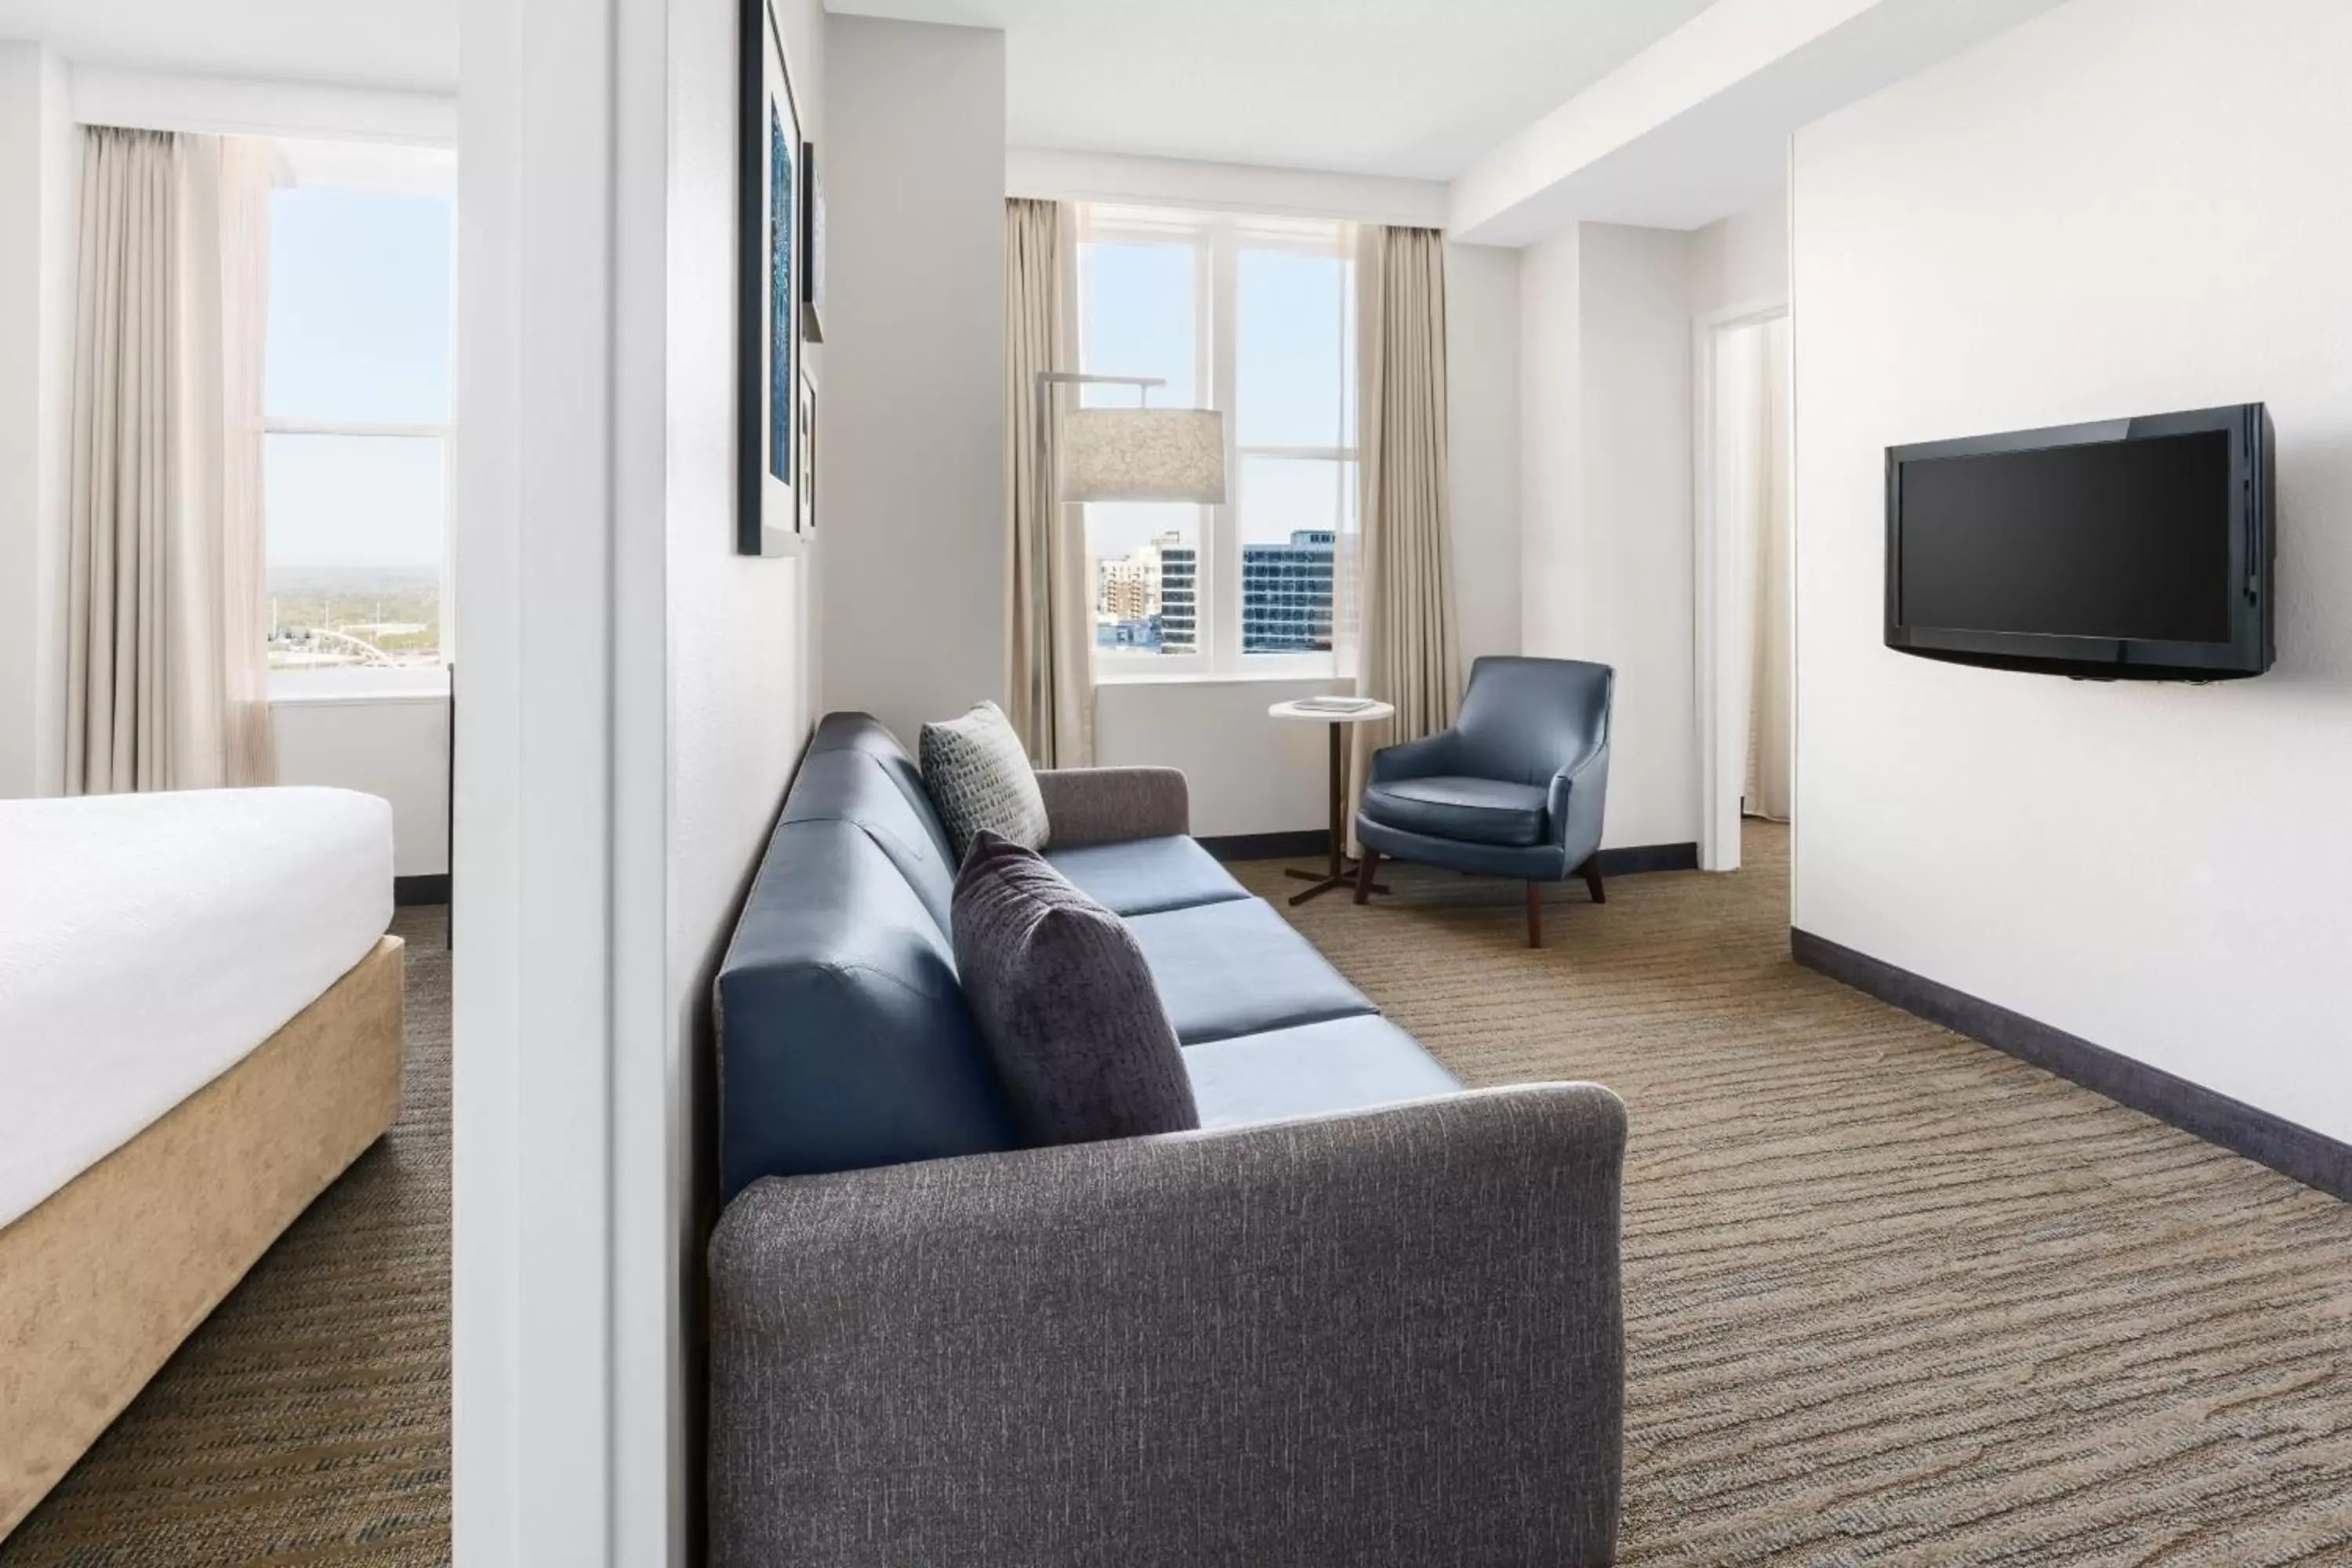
(1756, 366)
(1403, 635)
(1052, 681)
(164, 656)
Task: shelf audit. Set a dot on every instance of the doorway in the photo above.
(1745, 561)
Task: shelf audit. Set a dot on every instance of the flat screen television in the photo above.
(2128, 550)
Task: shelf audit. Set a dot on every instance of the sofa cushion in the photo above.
(843, 1040)
(1238, 968)
(1144, 876)
(1475, 811)
(1064, 1003)
(979, 776)
(1342, 1064)
(855, 786)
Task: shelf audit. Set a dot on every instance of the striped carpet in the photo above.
(1893, 1297)
(307, 1421)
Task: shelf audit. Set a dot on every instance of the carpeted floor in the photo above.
(307, 1421)
(1891, 1297)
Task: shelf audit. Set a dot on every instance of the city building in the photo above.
(1287, 594)
(1179, 595)
(1148, 600)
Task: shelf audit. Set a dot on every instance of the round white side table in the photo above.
(1335, 874)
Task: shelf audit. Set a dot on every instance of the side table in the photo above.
(1340, 868)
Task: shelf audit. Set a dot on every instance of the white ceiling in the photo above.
(1415, 87)
(410, 44)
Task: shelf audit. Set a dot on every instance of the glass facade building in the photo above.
(1287, 594)
(1179, 598)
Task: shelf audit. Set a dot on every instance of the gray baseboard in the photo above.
(1629, 860)
(2312, 1158)
(432, 889)
(1633, 860)
(1313, 845)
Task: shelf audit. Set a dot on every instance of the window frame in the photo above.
(390, 168)
(1219, 239)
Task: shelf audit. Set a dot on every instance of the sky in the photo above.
(1293, 374)
(359, 330)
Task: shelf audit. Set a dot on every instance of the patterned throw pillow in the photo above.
(979, 777)
(1064, 1003)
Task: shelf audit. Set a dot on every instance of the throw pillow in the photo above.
(979, 777)
(1064, 1003)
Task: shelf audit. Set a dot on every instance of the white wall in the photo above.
(1055, 174)
(394, 745)
(743, 637)
(1605, 568)
(1247, 773)
(216, 105)
(41, 164)
(1743, 260)
(1605, 503)
(2122, 207)
(912, 417)
(561, 1115)
(1482, 416)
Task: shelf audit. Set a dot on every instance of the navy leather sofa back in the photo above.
(844, 1041)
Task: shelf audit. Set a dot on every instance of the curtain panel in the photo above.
(1051, 629)
(166, 667)
(1406, 652)
(1759, 465)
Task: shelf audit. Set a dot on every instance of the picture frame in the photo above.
(768, 290)
(812, 245)
(805, 479)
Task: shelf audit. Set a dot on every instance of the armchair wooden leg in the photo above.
(1590, 872)
(1535, 914)
(1365, 868)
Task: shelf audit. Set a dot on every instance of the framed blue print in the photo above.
(769, 293)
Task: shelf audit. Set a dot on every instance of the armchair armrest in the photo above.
(1414, 759)
(1106, 805)
(1578, 793)
(1389, 1336)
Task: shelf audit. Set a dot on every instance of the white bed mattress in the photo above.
(149, 942)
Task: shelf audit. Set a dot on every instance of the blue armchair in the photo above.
(1514, 789)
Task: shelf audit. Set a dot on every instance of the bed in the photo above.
(200, 1028)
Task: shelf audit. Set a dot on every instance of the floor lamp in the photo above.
(1139, 454)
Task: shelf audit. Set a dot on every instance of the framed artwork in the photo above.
(805, 482)
(768, 292)
(812, 245)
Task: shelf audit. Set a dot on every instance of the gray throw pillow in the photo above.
(979, 777)
(1064, 1003)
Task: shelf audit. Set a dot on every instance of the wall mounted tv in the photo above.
(2128, 550)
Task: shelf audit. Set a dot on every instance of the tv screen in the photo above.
(2130, 548)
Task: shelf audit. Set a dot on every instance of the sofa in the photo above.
(1361, 1316)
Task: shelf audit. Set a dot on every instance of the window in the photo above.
(1256, 317)
(357, 407)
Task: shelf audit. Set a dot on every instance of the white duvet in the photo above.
(149, 942)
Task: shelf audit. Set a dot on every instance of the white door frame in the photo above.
(1722, 743)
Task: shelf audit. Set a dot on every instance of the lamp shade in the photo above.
(1143, 454)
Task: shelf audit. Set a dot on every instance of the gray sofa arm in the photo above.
(1386, 1337)
(1109, 805)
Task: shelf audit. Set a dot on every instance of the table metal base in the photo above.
(1344, 877)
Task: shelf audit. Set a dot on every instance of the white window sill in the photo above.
(1108, 676)
(297, 688)
(356, 699)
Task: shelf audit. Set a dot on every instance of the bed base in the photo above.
(100, 1283)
